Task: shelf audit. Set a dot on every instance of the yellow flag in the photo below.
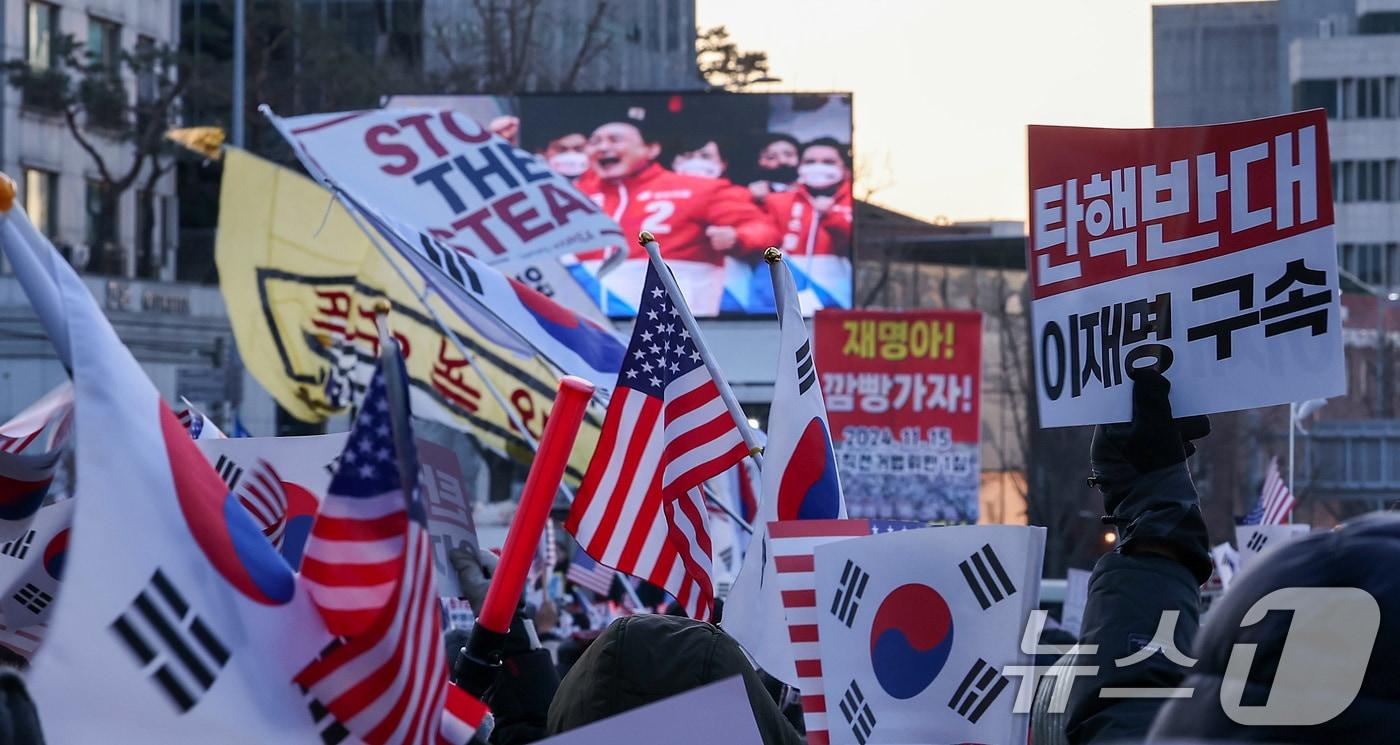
(301, 282)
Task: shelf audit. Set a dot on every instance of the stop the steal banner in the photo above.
(1206, 252)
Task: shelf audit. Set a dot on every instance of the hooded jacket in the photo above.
(1362, 554)
(645, 658)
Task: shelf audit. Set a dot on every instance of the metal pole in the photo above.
(240, 62)
(1292, 446)
(648, 242)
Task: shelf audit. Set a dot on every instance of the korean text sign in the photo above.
(902, 390)
(1207, 252)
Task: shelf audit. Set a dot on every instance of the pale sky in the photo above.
(944, 89)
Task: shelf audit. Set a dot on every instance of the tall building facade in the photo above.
(1218, 62)
(59, 181)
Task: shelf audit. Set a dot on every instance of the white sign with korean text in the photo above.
(1205, 252)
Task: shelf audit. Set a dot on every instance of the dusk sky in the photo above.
(944, 89)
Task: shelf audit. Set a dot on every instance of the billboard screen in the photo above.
(717, 177)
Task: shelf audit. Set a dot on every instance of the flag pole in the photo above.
(1292, 451)
(457, 342)
(653, 249)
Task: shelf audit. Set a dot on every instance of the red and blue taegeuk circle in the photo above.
(809, 489)
(910, 639)
(55, 552)
(224, 530)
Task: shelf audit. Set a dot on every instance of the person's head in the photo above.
(1302, 647)
(824, 164)
(619, 149)
(705, 161)
(780, 151)
(566, 156)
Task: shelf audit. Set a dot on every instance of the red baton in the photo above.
(508, 581)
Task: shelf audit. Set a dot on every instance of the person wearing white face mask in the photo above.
(705, 162)
(815, 220)
(565, 155)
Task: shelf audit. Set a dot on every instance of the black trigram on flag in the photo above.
(1257, 541)
(986, 577)
(806, 375)
(857, 713)
(979, 688)
(229, 471)
(847, 600)
(33, 599)
(172, 644)
(332, 731)
(18, 548)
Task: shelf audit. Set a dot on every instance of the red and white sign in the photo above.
(902, 392)
(1207, 252)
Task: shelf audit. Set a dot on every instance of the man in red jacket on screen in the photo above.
(697, 221)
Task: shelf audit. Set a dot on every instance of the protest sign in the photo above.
(1205, 252)
(918, 630)
(1076, 597)
(442, 174)
(902, 395)
(301, 281)
(1255, 540)
(718, 712)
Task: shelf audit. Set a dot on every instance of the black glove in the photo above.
(1140, 467)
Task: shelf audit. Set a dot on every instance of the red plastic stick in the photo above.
(556, 443)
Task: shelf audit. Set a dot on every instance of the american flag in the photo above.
(1275, 505)
(369, 569)
(639, 508)
(263, 494)
(587, 573)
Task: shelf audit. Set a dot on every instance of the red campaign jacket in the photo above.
(677, 208)
(833, 234)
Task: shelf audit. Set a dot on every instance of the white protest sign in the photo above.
(1206, 252)
(918, 629)
(442, 174)
(1256, 540)
(714, 713)
(1076, 597)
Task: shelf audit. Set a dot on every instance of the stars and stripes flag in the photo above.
(369, 569)
(589, 574)
(197, 424)
(640, 509)
(31, 445)
(1275, 505)
(262, 492)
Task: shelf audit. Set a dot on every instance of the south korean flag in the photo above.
(1256, 540)
(924, 656)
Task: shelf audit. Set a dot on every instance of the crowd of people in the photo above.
(1188, 687)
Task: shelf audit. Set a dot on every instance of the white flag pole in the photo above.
(1292, 453)
(648, 242)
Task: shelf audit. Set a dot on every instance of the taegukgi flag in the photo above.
(918, 629)
(800, 482)
(195, 623)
